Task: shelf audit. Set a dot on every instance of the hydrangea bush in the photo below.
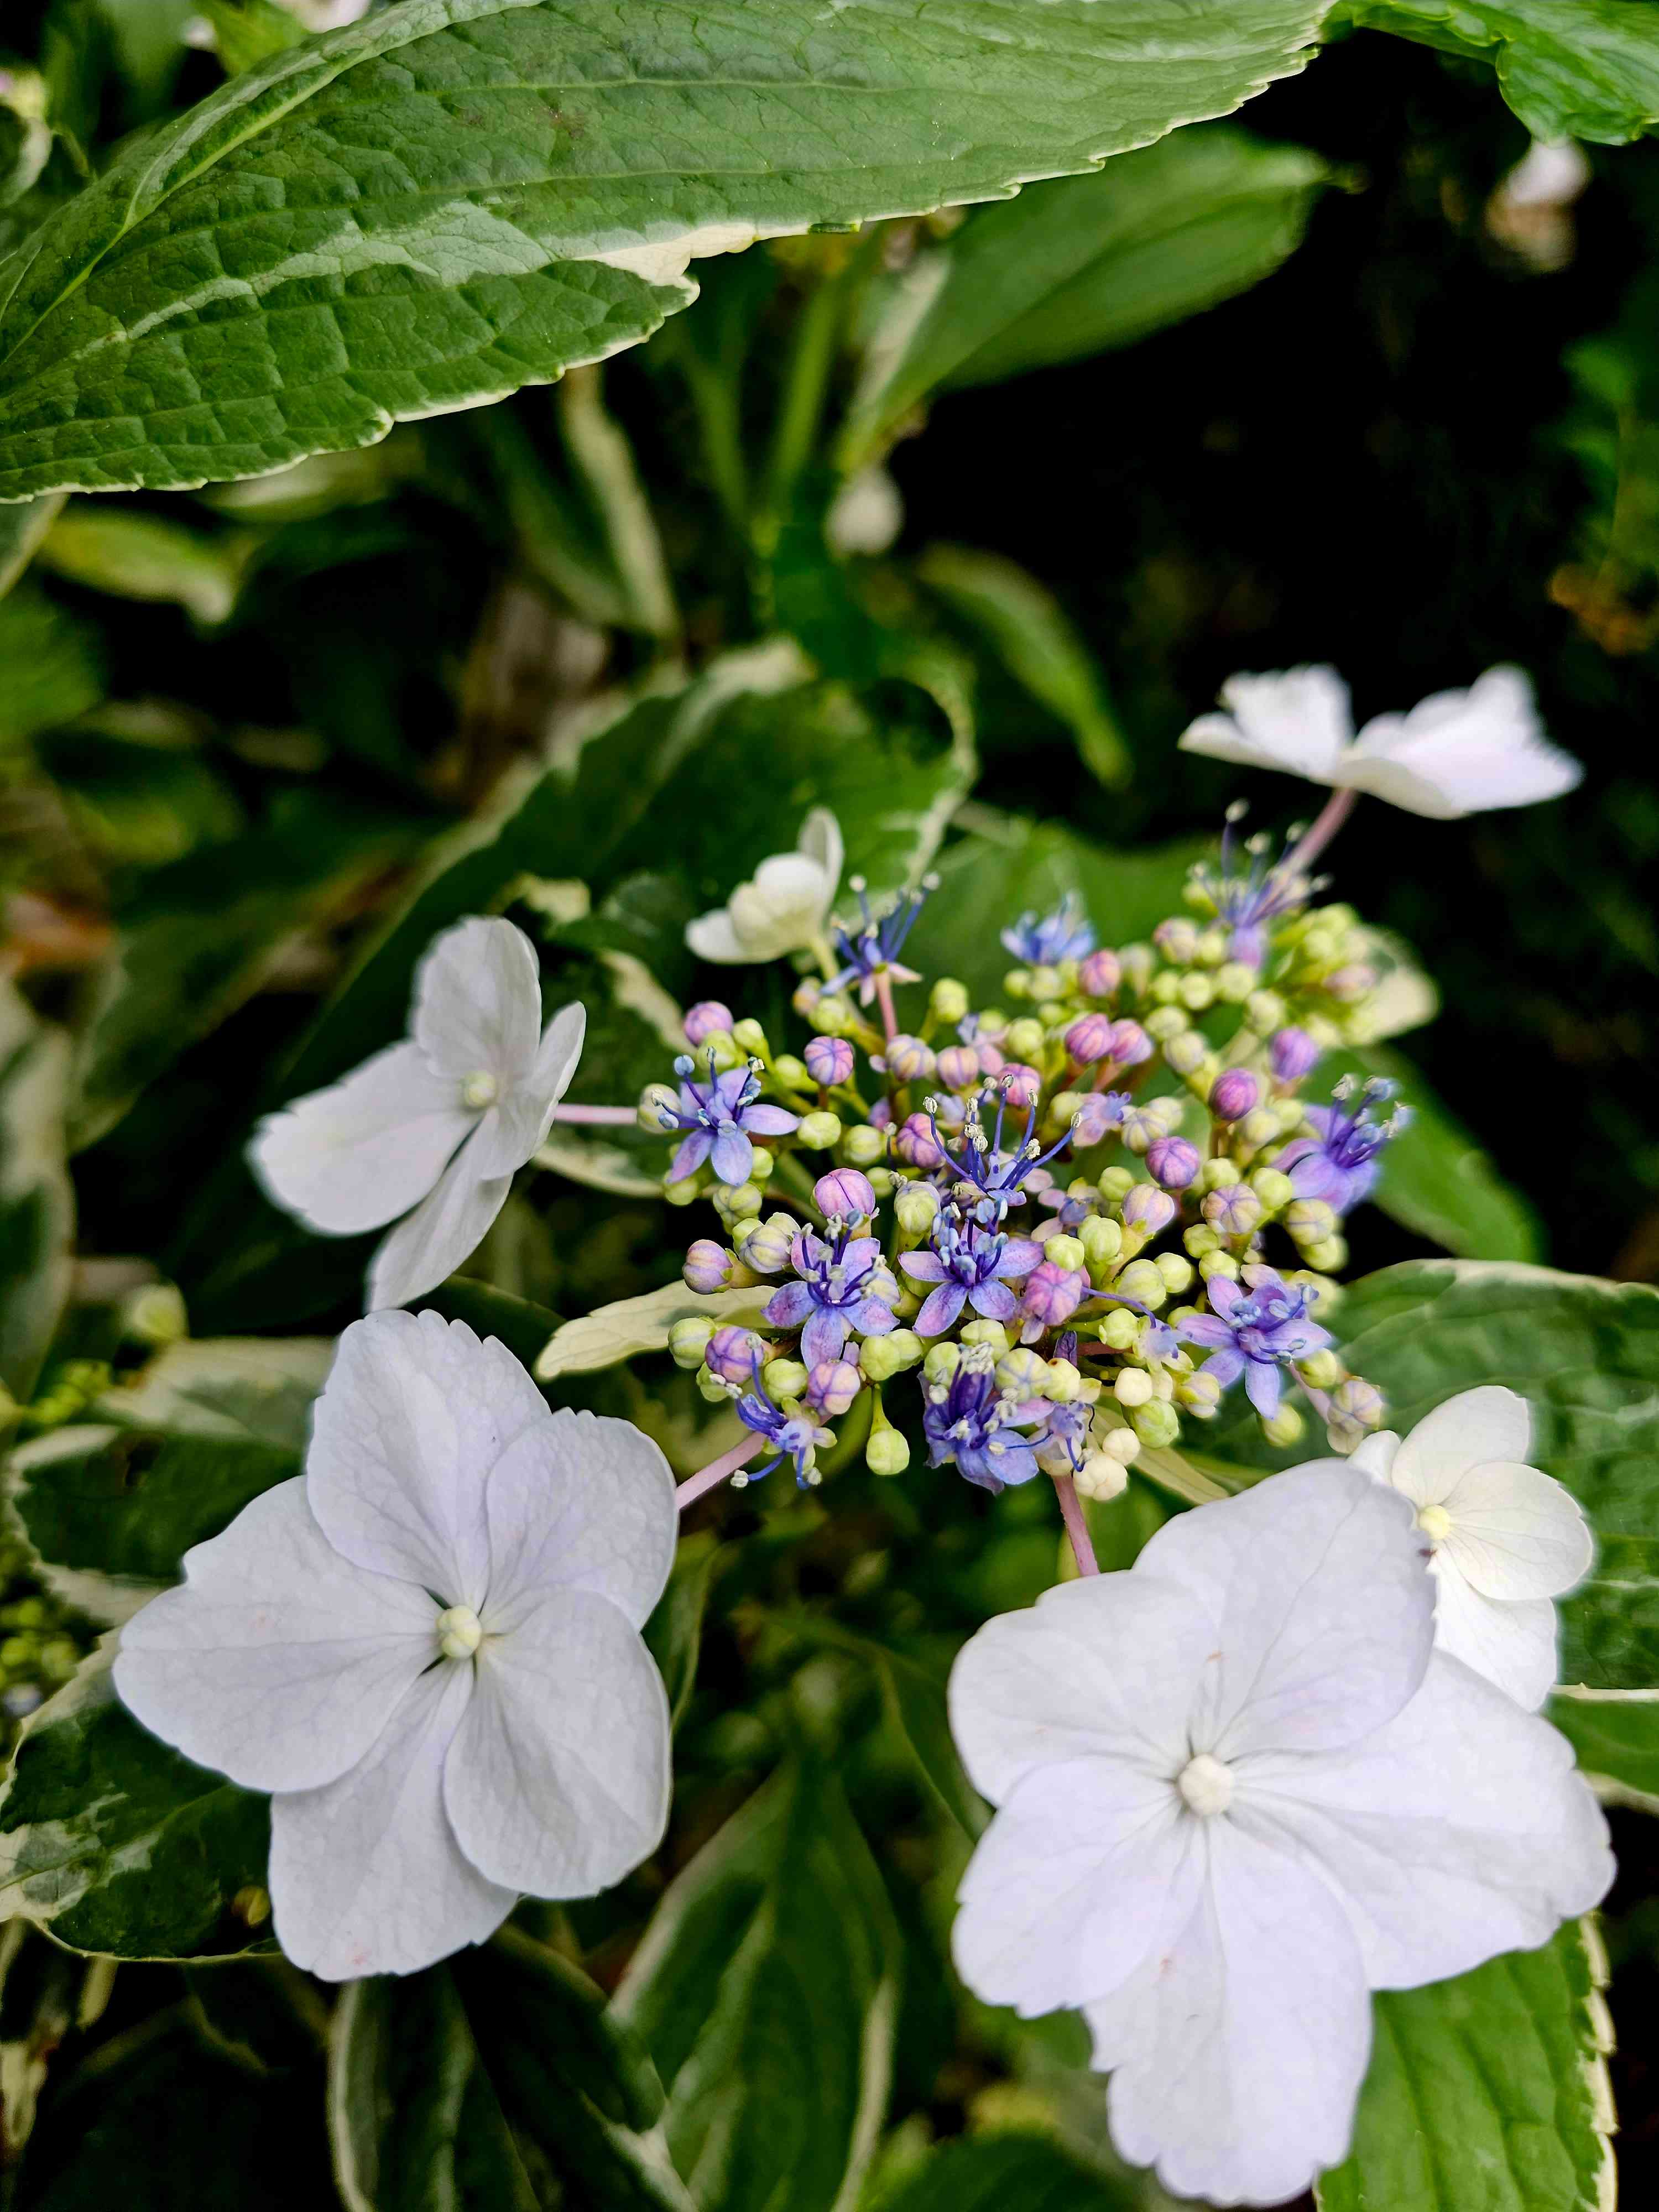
(733, 1480)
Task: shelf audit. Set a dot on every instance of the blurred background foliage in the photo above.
(1023, 487)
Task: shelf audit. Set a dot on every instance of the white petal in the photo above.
(1087, 1867)
(1512, 1641)
(580, 1502)
(511, 1134)
(479, 1000)
(557, 1781)
(1462, 752)
(1466, 1430)
(1516, 1533)
(1460, 1830)
(428, 1245)
(365, 1874)
(365, 1150)
(1109, 1663)
(820, 840)
(1324, 1614)
(276, 1661)
(415, 1415)
(1375, 1454)
(774, 916)
(1298, 720)
(712, 936)
(1239, 2049)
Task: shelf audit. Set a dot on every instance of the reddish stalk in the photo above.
(611, 1116)
(1077, 1526)
(711, 1477)
(1326, 824)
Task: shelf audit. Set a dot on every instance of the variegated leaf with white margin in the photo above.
(479, 194)
(612, 1334)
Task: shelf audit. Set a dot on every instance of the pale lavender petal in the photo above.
(733, 1155)
(822, 1337)
(1262, 1386)
(925, 1266)
(939, 1309)
(769, 1121)
(994, 1300)
(690, 1156)
(789, 1307)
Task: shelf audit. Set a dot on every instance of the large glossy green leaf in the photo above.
(1488, 2092)
(475, 2084)
(120, 1844)
(476, 194)
(37, 1206)
(987, 879)
(1585, 1355)
(1436, 1180)
(1616, 1736)
(1570, 68)
(765, 1988)
(1001, 2173)
(1075, 267)
(629, 1326)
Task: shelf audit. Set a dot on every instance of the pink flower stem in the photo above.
(1329, 819)
(1077, 1527)
(884, 999)
(711, 1477)
(611, 1116)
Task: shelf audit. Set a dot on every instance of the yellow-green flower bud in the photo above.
(1115, 1184)
(1322, 1370)
(1064, 1383)
(784, 1378)
(683, 1193)
(1121, 1445)
(1284, 1428)
(987, 1332)
(833, 1017)
(739, 1205)
(947, 1001)
(1212, 947)
(1330, 1254)
(886, 1453)
(1260, 1126)
(818, 1131)
(1167, 1023)
(1102, 1476)
(940, 1362)
(1219, 1263)
(793, 1073)
(656, 1100)
(761, 1165)
(1133, 1388)
(711, 1388)
(1022, 1371)
(916, 1209)
(1273, 1187)
(1196, 992)
(862, 1146)
(1102, 1241)
(1017, 983)
(1044, 983)
(1186, 1052)
(1199, 1395)
(152, 1314)
(1024, 1040)
(1177, 1273)
(1156, 1423)
(1216, 1175)
(1201, 1238)
(881, 1357)
(1234, 982)
(688, 1339)
(882, 1180)
(1141, 1280)
(1120, 1328)
(1309, 1219)
(750, 1036)
(1068, 1252)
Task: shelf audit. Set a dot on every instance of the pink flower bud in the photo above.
(1054, 1293)
(1022, 1086)
(914, 1145)
(1090, 1039)
(1100, 975)
(958, 1066)
(732, 1353)
(705, 1017)
(829, 1060)
(1292, 1054)
(707, 1266)
(1148, 1209)
(1174, 1162)
(845, 1192)
(1130, 1045)
(1233, 1094)
(910, 1059)
(831, 1387)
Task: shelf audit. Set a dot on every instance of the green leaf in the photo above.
(200, 936)
(1025, 626)
(54, 669)
(37, 1204)
(765, 1989)
(1488, 2091)
(1000, 2172)
(1615, 1734)
(1570, 68)
(21, 529)
(1585, 1355)
(474, 2084)
(1007, 864)
(1436, 1180)
(629, 1327)
(119, 1844)
(448, 231)
(1075, 268)
(673, 1634)
(247, 31)
(144, 556)
(243, 1389)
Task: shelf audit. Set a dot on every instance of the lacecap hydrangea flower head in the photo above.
(426, 1648)
(1239, 1788)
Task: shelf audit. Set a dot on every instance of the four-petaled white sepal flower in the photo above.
(785, 905)
(1239, 1789)
(1507, 1539)
(1457, 752)
(426, 1647)
(438, 1123)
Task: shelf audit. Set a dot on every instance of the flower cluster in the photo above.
(1080, 1216)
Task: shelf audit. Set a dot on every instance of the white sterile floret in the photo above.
(426, 1647)
(1507, 1540)
(437, 1124)
(1457, 752)
(1239, 1789)
(784, 907)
